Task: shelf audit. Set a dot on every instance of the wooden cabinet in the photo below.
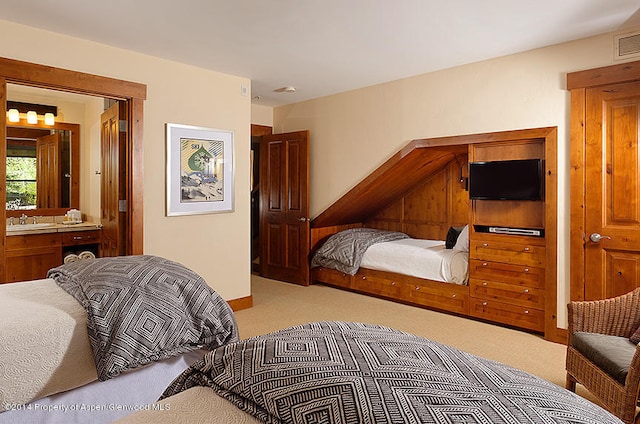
(29, 257)
(507, 279)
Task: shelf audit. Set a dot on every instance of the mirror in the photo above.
(42, 168)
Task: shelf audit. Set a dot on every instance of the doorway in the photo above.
(605, 181)
(133, 94)
(257, 131)
(280, 205)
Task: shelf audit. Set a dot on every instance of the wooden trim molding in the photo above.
(3, 177)
(27, 73)
(614, 74)
(241, 303)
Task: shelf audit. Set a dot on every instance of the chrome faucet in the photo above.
(23, 219)
(10, 220)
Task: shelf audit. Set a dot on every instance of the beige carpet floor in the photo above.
(277, 305)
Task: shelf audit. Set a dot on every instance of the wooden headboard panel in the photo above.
(428, 211)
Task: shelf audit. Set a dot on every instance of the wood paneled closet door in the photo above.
(612, 195)
(284, 207)
(48, 171)
(113, 194)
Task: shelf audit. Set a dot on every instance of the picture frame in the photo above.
(200, 170)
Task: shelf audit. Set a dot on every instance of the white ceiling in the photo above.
(324, 47)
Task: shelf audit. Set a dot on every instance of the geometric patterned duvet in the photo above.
(345, 372)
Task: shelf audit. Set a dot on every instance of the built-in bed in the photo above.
(389, 264)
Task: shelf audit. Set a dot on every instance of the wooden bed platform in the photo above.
(512, 278)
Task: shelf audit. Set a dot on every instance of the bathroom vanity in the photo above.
(33, 249)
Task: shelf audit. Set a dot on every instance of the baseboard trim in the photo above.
(241, 303)
(560, 336)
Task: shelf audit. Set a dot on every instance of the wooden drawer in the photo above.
(74, 238)
(332, 277)
(30, 241)
(524, 275)
(371, 281)
(513, 253)
(448, 297)
(517, 316)
(513, 294)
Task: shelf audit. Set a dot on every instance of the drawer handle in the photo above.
(417, 287)
(364, 277)
(526, 249)
(484, 283)
(526, 290)
(393, 283)
(485, 244)
(484, 303)
(453, 296)
(484, 264)
(526, 270)
(526, 312)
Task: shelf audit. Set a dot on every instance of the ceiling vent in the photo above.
(627, 45)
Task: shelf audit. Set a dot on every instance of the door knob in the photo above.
(595, 237)
(303, 219)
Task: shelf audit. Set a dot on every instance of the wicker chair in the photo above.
(617, 316)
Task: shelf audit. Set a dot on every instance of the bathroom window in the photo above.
(21, 182)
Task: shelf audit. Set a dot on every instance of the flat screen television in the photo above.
(521, 179)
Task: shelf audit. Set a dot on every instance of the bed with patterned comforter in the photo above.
(345, 372)
(98, 318)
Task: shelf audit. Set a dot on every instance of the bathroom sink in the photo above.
(26, 227)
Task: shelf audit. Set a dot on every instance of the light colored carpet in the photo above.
(278, 305)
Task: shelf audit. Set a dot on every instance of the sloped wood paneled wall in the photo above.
(428, 211)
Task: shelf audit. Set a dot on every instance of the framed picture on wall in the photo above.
(200, 172)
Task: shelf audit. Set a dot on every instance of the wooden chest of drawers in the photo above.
(507, 280)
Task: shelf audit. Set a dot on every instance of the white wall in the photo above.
(214, 245)
(262, 115)
(526, 90)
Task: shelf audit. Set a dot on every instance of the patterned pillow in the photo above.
(145, 308)
(452, 237)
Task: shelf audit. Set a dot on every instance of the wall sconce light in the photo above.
(14, 115)
(32, 111)
(32, 117)
(49, 119)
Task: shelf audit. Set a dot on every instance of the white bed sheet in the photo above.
(104, 401)
(44, 346)
(419, 258)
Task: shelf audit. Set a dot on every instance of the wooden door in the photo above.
(612, 194)
(113, 194)
(48, 171)
(284, 207)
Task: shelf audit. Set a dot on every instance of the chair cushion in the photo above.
(612, 354)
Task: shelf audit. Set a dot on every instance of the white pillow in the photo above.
(462, 244)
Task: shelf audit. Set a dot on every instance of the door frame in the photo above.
(577, 84)
(27, 73)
